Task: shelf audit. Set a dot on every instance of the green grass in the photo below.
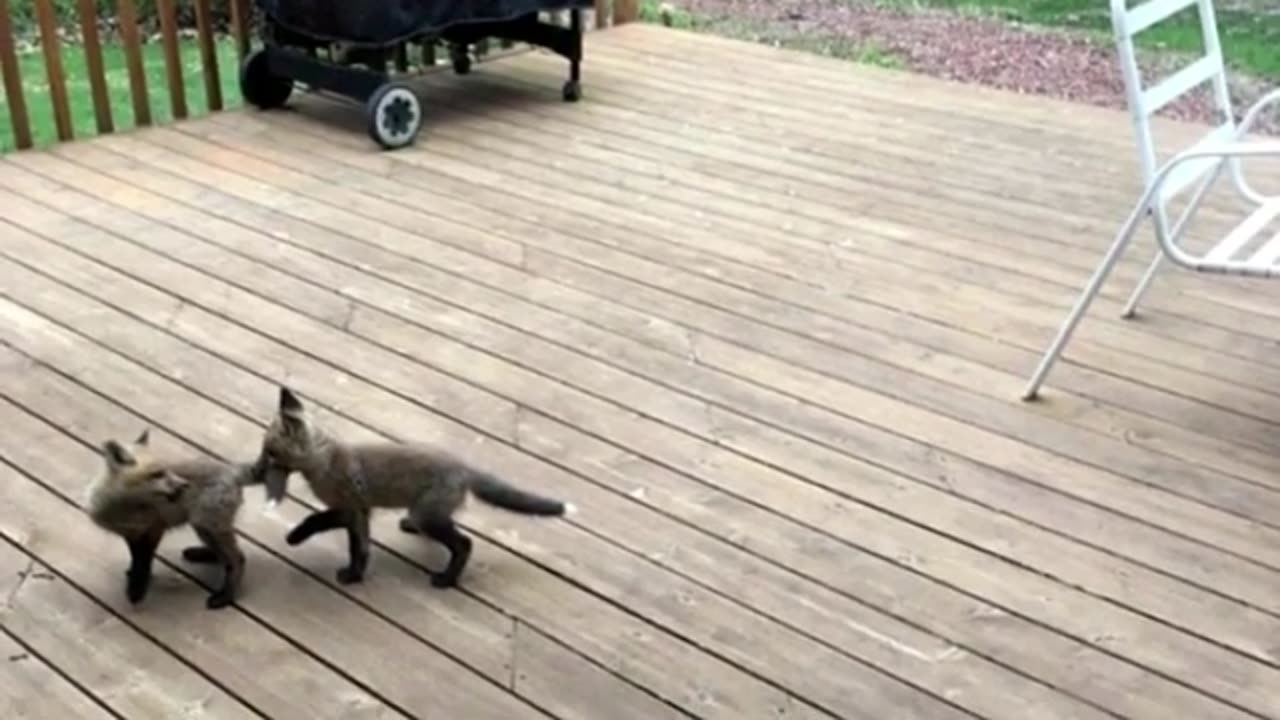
(1250, 34)
(1249, 29)
(829, 44)
(35, 87)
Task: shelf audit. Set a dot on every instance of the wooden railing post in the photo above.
(172, 57)
(93, 62)
(48, 21)
(208, 55)
(240, 26)
(12, 77)
(127, 14)
(625, 11)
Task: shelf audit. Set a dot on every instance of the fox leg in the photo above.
(224, 545)
(142, 552)
(432, 515)
(204, 554)
(357, 547)
(316, 522)
(446, 533)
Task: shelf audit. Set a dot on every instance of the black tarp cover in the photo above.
(384, 22)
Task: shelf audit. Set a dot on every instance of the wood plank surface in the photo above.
(219, 645)
(338, 312)
(908, 142)
(30, 688)
(712, 617)
(1258, 475)
(638, 400)
(919, 358)
(103, 652)
(766, 334)
(404, 608)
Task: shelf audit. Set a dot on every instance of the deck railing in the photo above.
(173, 38)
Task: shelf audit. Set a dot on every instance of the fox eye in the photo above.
(156, 475)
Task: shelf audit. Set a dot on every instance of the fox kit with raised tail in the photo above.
(353, 479)
(140, 497)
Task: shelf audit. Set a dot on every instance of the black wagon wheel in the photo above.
(259, 86)
(394, 115)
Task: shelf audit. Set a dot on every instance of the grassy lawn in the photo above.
(814, 41)
(1249, 29)
(35, 87)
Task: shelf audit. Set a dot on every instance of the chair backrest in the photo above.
(1145, 102)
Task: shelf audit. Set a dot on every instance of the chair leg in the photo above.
(1087, 295)
(1131, 307)
(1161, 222)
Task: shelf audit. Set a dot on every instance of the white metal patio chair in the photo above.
(1223, 146)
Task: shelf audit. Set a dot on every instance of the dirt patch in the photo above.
(967, 48)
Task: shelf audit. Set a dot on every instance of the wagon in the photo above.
(362, 50)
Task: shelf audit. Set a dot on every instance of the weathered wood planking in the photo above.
(699, 314)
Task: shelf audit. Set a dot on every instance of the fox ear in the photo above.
(291, 413)
(144, 438)
(289, 403)
(116, 454)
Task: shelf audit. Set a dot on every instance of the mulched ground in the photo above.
(960, 47)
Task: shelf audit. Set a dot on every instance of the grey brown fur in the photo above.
(353, 479)
(140, 497)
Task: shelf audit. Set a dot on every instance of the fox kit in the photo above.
(351, 480)
(139, 498)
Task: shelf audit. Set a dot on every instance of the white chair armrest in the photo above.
(1231, 150)
(1227, 151)
(1251, 116)
(1222, 151)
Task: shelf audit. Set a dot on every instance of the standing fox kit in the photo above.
(140, 497)
(353, 479)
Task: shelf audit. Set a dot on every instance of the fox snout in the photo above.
(274, 478)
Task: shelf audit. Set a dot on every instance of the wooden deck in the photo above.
(763, 317)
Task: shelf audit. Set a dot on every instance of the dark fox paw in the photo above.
(349, 576)
(219, 600)
(409, 526)
(297, 536)
(200, 554)
(136, 589)
(444, 580)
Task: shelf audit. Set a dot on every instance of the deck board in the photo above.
(32, 687)
(909, 194)
(233, 649)
(911, 352)
(762, 317)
